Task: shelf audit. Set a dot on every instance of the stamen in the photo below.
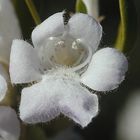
(74, 45)
(59, 51)
(60, 44)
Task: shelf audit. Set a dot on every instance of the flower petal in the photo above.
(3, 72)
(3, 88)
(52, 26)
(106, 70)
(9, 124)
(3, 83)
(85, 28)
(39, 102)
(24, 63)
(9, 29)
(55, 94)
(78, 103)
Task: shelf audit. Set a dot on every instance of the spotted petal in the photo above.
(9, 29)
(24, 63)
(58, 94)
(106, 70)
(78, 103)
(9, 124)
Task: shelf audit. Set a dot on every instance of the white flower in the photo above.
(9, 30)
(128, 122)
(9, 124)
(58, 63)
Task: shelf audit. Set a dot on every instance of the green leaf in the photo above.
(80, 7)
(127, 31)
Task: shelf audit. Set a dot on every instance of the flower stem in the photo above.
(122, 27)
(33, 11)
(128, 26)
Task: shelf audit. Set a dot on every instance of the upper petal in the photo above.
(106, 70)
(9, 29)
(9, 124)
(24, 63)
(80, 26)
(85, 28)
(52, 26)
